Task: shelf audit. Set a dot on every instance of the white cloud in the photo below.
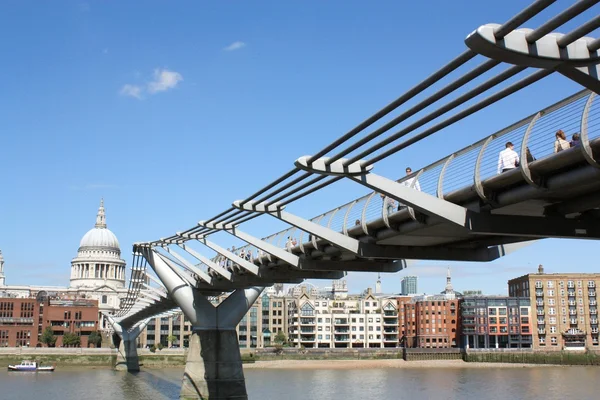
(164, 80)
(235, 46)
(131, 91)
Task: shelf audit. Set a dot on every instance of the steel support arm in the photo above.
(214, 266)
(188, 265)
(248, 266)
(256, 242)
(155, 290)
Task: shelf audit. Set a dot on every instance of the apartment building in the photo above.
(566, 309)
(496, 322)
(343, 321)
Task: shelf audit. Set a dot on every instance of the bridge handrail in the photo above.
(438, 167)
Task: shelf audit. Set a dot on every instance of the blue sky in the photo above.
(170, 111)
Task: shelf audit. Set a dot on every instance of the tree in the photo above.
(48, 337)
(71, 340)
(280, 338)
(95, 338)
(172, 339)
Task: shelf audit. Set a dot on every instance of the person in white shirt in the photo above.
(409, 182)
(412, 183)
(508, 159)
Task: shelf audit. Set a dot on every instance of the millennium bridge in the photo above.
(463, 207)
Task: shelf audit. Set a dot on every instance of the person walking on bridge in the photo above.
(561, 143)
(409, 182)
(412, 183)
(508, 158)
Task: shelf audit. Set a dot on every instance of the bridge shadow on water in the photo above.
(147, 384)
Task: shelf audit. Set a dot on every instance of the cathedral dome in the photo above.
(100, 237)
(98, 262)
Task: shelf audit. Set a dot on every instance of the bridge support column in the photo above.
(213, 367)
(127, 357)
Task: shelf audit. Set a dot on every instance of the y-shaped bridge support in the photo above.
(213, 368)
(127, 357)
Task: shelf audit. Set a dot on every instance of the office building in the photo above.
(408, 285)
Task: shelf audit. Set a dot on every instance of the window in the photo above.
(307, 310)
(551, 302)
(554, 341)
(104, 299)
(552, 311)
(492, 311)
(550, 292)
(550, 284)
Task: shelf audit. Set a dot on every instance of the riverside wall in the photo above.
(106, 357)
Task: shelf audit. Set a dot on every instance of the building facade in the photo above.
(343, 322)
(408, 285)
(22, 320)
(565, 308)
(429, 321)
(496, 322)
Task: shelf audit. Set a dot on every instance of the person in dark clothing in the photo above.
(575, 140)
(529, 156)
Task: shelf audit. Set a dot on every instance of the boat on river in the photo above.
(31, 366)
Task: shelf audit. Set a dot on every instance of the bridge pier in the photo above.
(213, 367)
(127, 357)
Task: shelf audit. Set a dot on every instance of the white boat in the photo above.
(30, 366)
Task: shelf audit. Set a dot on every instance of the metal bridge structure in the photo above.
(459, 208)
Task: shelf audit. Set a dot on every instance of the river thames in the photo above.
(546, 383)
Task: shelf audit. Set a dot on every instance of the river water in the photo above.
(546, 383)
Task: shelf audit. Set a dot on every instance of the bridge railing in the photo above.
(463, 168)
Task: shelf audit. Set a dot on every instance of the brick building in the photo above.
(19, 322)
(75, 316)
(496, 322)
(565, 308)
(22, 320)
(429, 321)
